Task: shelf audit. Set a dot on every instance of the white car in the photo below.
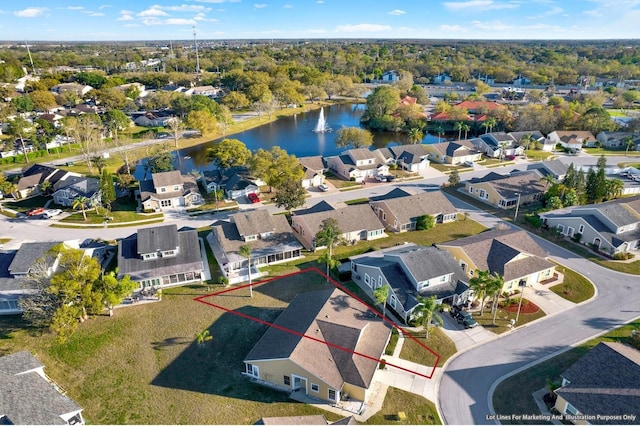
(468, 163)
(322, 187)
(48, 214)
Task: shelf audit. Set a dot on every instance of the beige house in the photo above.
(169, 189)
(400, 214)
(572, 139)
(506, 191)
(313, 171)
(604, 382)
(323, 345)
(454, 153)
(357, 223)
(358, 164)
(511, 253)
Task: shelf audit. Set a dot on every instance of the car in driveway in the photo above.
(322, 187)
(253, 198)
(36, 211)
(468, 163)
(465, 318)
(48, 214)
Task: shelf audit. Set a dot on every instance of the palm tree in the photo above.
(489, 124)
(203, 337)
(525, 141)
(415, 135)
(329, 235)
(425, 312)
(494, 290)
(45, 186)
(503, 145)
(440, 132)
(81, 201)
(479, 285)
(466, 129)
(548, 180)
(628, 143)
(614, 188)
(458, 127)
(381, 294)
(245, 251)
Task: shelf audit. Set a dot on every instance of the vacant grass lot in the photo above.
(142, 366)
(419, 411)
(513, 395)
(437, 341)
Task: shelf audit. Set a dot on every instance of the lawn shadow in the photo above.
(216, 367)
(286, 288)
(170, 341)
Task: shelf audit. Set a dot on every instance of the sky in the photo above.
(95, 20)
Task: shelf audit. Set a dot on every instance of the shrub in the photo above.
(533, 219)
(623, 256)
(577, 237)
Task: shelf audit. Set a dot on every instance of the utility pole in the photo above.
(195, 42)
(26, 43)
(515, 216)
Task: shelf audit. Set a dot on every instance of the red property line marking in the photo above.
(297, 333)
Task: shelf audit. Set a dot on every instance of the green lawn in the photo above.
(437, 342)
(118, 216)
(575, 287)
(339, 182)
(503, 318)
(419, 411)
(357, 201)
(535, 154)
(513, 395)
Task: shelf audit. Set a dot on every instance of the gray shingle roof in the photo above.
(410, 208)
(333, 317)
(314, 163)
(167, 178)
(187, 259)
(27, 255)
(524, 183)
(253, 222)
(605, 381)
(157, 238)
(350, 218)
(410, 154)
(394, 193)
(29, 398)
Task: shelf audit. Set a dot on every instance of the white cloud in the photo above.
(492, 26)
(169, 21)
(259, 5)
(75, 7)
(396, 12)
(104, 6)
(288, 6)
(358, 28)
(453, 29)
(201, 17)
(320, 2)
(184, 8)
(92, 13)
(31, 12)
(479, 5)
(153, 11)
(126, 15)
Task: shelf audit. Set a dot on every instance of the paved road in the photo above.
(468, 380)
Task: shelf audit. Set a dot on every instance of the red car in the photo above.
(36, 211)
(253, 198)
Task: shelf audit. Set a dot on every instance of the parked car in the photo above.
(384, 178)
(465, 318)
(253, 198)
(510, 157)
(322, 187)
(35, 211)
(468, 163)
(48, 214)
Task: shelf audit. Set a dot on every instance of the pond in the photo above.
(296, 135)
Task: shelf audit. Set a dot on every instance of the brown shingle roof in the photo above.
(166, 178)
(332, 317)
(350, 218)
(254, 222)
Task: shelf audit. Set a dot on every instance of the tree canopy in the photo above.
(229, 153)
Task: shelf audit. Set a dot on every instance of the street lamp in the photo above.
(515, 216)
(522, 284)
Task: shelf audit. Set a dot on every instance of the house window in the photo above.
(384, 216)
(570, 409)
(471, 189)
(287, 381)
(315, 387)
(581, 229)
(253, 370)
(392, 301)
(332, 394)
(561, 228)
(424, 284)
(570, 231)
(471, 272)
(163, 189)
(367, 279)
(379, 280)
(165, 203)
(176, 188)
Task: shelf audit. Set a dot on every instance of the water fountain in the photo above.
(322, 126)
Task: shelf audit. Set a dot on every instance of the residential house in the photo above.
(209, 91)
(29, 397)
(572, 139)
(410, 271)
(555, 168)
(401, 214)
(612, 227)
(269, 237)
(161, 256)
(511, 253)
(441, 78)
(618, 140)
(314, 168)
(391, 76)
(152, 119)
(478, 107)
(340, 359)
(498, 144)
(454, 153)
(139, 87)
(78, 89)
(602, 385)
(32, 179)
(15, 266)
(358, 164)
(411, 158)
(521, 81)
(66, 191)
(507, 191)
(169, 189)
(536, 136)
(357, 223)
(236, 182)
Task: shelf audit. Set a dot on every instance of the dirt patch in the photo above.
(527, 307)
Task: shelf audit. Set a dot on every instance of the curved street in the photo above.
(468, 380)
